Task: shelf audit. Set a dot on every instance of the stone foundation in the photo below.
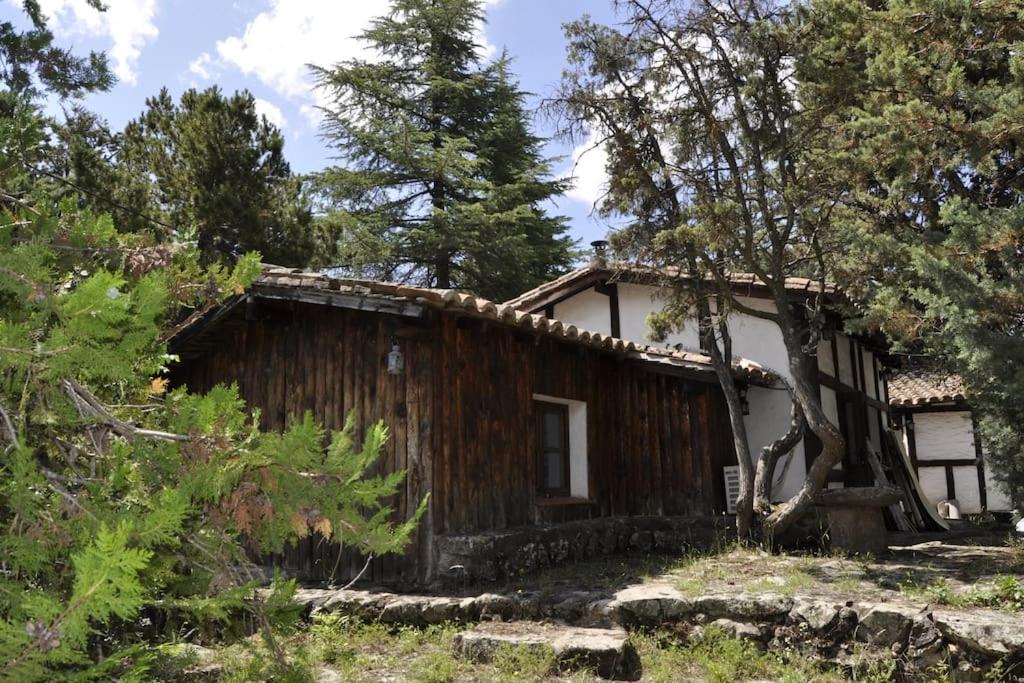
(492, 556)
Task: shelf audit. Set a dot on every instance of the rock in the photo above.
(737, 629)
(365, 604)
(642, 541)
(925, 647)
(492, 605)
(606, 651)
(312, 598)
(650, 604)
(404, 609)
(744, 606)
(571, 607)
(985, 632)
(820, 617)
(885, 624)
(441, 610)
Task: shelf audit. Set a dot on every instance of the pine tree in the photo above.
(208, 168)
(441, 181)
(30, 64)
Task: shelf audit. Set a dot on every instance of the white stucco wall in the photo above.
(588, 310)
(944, 436)
(636, 302)
(933, 483)
(950, 436)
(825, 361)
(870, 383)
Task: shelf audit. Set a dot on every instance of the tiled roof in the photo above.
(919, 387)
(629, 273)
(316, 287)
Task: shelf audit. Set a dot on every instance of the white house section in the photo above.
(588, 309)
(944, 436)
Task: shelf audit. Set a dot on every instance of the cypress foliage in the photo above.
(123, 505)
(926, 100)
(440, 180)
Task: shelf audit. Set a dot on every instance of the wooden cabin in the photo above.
(521, 428)
(616, 299)
(939, 433)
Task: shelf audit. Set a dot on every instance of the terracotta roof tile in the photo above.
(920, 386)
(467, 304)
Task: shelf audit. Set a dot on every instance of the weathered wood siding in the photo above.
(460, 418)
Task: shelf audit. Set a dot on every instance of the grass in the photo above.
(1005, 593)
(717, 658)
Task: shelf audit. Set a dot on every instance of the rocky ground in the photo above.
(932, 607)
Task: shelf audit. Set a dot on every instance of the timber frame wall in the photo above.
(461, 421)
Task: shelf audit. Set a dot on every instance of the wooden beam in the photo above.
(948, 462)
(982, 492)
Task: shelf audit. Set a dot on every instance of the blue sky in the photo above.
(263, 45)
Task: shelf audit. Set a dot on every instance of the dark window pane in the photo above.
(553, 430)
(553, 470)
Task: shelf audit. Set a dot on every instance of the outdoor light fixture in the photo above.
(395, 360)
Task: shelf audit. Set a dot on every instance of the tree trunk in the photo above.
(723, 370)
(770, 455)
(805, 394)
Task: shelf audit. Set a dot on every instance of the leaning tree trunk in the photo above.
(805, 394)
(770, 455)
(722, 363)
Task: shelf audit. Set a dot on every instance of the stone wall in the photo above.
(492, 556)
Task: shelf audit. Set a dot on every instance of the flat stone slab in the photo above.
(652, 603)
(986, 632)
(606, 651)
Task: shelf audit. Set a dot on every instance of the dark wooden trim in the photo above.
(549, 311)
(812, 444)
(950, 484)
(835, 356)
(908, 425)
(932, 408)
(841, 388)
(542, 408)
(613, 311)
(947, 462)
(612, 292)
(982, 490)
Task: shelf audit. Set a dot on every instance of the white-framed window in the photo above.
(561, 446)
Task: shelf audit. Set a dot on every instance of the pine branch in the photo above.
(89, 405)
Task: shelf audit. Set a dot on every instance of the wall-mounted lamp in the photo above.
(395, 361)
(744, 403)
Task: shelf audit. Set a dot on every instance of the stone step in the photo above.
(606, 651)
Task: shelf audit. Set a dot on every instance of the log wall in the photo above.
(460, 418)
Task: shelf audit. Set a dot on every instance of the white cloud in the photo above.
(587, 173)
(277, 44)
(271, 111)
(128, 24)
(203, 66)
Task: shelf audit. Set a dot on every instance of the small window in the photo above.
(553, 448)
